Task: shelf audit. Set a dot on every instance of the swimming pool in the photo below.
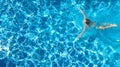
(40, 33)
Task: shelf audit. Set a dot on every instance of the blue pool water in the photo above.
(40, 33)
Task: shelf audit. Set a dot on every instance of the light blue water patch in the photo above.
(40, 33)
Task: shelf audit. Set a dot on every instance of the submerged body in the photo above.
(87, 23)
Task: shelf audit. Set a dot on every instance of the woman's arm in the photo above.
(85, 26)
(82, 32)
(81, 11)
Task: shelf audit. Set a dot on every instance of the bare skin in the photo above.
(92, 24)
(84, 22)
(106, 26)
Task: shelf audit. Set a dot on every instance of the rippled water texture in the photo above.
(40, 33)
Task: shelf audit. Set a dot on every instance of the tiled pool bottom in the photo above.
(55, 48)
(30, 37)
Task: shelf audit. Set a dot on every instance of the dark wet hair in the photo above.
(88, 21)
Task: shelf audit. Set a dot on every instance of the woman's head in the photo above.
(89, 23)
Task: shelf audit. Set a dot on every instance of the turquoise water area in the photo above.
(40, 33)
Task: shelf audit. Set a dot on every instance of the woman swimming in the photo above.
(87, 23)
